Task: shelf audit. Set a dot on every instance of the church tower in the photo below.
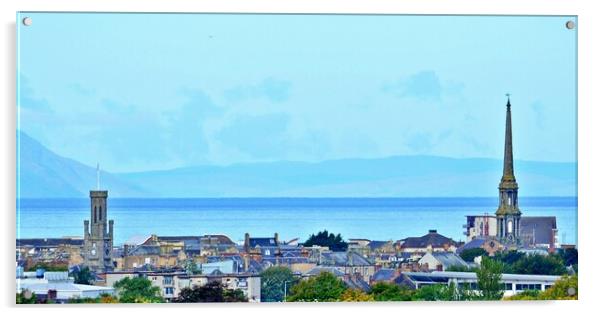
(98, 237)
(508, 214)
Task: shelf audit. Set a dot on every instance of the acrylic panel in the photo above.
(180, 158)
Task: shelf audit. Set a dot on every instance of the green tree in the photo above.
(460, 269)
(489, 276)
(322, 288)
(564, 289)
(569, 256)
(468, 255)
(273, 283)
(382, 291)
(26, 298)
(539, 264)
(137, 290)
(354, 295)
(435, 292)
(210, 292)
(324, 239)
(83, 276)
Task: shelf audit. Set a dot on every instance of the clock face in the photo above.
(93, 252)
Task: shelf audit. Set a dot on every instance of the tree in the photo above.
(324, 239)
(570, 256)
(489, 276)
(563, 289)
(458, 268)
(273, 283)
(435, 292)
(137, 290)
(354, 295)
(527, 295)
(468, 255)
(508, 258)
(210, 292)
(539, 264)
(26, 298)
(322, 288)
(382, 291)
(83, 276)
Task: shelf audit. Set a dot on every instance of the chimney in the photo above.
(247, 238)
(276, 238)
(246, 263)
(432, 231)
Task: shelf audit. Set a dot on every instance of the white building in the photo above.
(57, 286)
(513, 283)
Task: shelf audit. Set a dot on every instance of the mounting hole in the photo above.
(27, 21)
(570, 25)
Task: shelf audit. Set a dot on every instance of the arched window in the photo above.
(510, 227)
(95, 214)
(100, 213)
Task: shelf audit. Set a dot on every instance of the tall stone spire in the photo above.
(508, 213)
(508, 175)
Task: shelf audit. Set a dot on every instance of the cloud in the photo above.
(258, 137)
(423, 85)
(27, 98)
(272, 89)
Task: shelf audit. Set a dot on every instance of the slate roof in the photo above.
(432, 238)
(375, 244)
(449, 259)
(262, 242)
(343, 259)
(221, 239)
(145, 250)
(357, 284)
(543, 226)
(384, 275)
(317, 270)
(475, 243)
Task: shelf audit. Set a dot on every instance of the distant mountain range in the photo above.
(44, 174)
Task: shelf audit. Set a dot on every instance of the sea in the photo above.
(370, 218)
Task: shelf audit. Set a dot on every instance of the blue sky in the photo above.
(149, 91)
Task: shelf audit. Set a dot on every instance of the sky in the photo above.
(138, 92)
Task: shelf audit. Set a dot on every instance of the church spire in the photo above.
(508, 175)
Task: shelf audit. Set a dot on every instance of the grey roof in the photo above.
(475, 243)
(433, 239)
(145, 250)
(357, 283)
(320, 269)
(375, 244)
(343, 259)
(473, 276)
(384, 275)
(542, 226)
(262, 242)
(449, 259)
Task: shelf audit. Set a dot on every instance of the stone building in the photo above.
(98, 236)
(508, 214)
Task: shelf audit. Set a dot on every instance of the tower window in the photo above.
(100, 213)
(95, 214)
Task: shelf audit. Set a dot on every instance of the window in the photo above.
(508, 286)
(95, 214)
(167, 280)
(169, 291)
(100, 213)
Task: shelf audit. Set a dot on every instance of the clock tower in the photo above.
(98, 236)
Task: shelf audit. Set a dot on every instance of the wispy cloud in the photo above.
(272, 89)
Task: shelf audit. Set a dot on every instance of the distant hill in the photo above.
(402, 176)
(45, 174)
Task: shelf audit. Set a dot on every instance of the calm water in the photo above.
(372, 218)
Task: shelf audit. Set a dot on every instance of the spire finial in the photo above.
(508, 96)
(97, 176)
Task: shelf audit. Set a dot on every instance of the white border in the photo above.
(590, 160)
